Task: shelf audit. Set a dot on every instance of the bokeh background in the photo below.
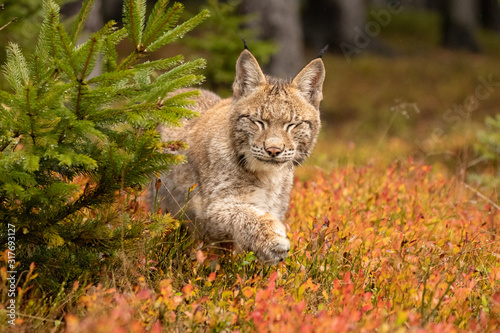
(405, 79)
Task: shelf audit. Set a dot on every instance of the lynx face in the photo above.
(271, 130)
(276, 122)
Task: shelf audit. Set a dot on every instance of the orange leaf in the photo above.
(248, 292)
(188, 290)
(200, 257)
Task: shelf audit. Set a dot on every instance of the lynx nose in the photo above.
(273, 151)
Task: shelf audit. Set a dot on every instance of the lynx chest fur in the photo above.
(242, 154)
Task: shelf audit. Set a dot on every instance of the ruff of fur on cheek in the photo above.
(304, 144)
(242, 161)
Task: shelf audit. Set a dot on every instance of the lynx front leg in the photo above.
(251, 230)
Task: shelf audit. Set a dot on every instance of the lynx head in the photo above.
(275, 122)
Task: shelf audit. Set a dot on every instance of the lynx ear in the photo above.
(248, 74)
(310, 82)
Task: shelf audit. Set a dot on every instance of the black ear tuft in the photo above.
(249, 76)
(323, 50)
(244, 43)
(310, 82)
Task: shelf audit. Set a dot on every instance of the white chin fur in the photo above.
(255, 165)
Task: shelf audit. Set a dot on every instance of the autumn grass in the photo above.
(396, 248)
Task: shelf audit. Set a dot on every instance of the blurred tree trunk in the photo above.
(490, 14)
(459, 24)
(353, 16)
(96, 18)
(333, 22)
(321, 19)
(279, 20)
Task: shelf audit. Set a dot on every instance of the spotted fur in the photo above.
(242, 154)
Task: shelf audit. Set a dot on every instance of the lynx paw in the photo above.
(274, 250)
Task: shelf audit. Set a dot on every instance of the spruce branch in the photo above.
(37, 69)
(86, 54)
(2, 7)
(166, 37)
(161, 64)
(16, 69)
(9, 141)
(47, 32)
(4, 145)
(31, 117)
(78, 101)
(87, 61)
(53, 40)
(110, 57)
(66, 49)
(159, 21)
(81, 19)
(46, 49)
(184, 99)
(133, 20)
(179, 31)
(112, 77)
(91, 197)
(131, 59)
(53, 95)
(8, 23)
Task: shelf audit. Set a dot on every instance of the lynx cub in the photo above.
(242, 153)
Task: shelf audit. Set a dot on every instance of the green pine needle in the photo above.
(81, 19)
(134, 12)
